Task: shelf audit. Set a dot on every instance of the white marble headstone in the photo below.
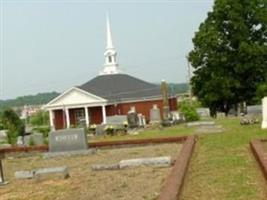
(264, 113)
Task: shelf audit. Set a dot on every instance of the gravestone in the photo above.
(264, 113)
(2, 179)
(27, 139)
(141, 120)
(117, 119)
(210, 129)
(200, 123)
(20, 141)
(203, 112)
(254, 110)
(100, 129)
(38, 139)
(67, 140)
(3, 136)
(155, 114)
(132, 119)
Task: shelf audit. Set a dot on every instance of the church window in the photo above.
(110, 59)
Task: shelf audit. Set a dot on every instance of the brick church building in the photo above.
(110, 93)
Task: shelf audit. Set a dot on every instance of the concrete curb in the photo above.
(174, 182)
(260, 155)
(107, 144)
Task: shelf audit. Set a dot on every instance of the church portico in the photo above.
(69, 117)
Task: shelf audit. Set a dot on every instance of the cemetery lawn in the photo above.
(127, 184)
(222, 166)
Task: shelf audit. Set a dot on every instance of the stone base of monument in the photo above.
(200, 123)
(42, 173)
(210, 129)
(24, 174)
(69, 153)
(166, 123)
(164, 161)
(53, 172)
(4, 183)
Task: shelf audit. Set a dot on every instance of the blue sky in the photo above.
(51, 45)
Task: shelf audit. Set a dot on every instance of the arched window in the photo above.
(109, 59)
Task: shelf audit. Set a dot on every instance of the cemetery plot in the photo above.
(143, 182)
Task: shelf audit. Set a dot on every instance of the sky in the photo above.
(52, 45)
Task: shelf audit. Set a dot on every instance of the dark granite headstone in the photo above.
(67, 140)
(132, 120)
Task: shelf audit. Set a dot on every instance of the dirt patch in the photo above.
(139, 183)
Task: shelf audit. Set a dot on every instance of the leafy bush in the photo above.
(11, 121)
(44, 130)
(189, 111)
(39, 118)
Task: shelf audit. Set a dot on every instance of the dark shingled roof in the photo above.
(119, 87)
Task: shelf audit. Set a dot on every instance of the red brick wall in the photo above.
(140, 107)
(95, 113)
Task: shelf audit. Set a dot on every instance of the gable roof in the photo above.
(75, 96)
(119, 87)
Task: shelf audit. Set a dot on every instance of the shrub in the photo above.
(189, 111)
(44, 130)
(39, 118)
(11, 121)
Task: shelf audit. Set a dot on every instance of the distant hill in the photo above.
(43, 98)
(178, 88)
(38, 99)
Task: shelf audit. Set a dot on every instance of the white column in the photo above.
(67, 117)
(86, 116)
(104, 114)
(264, 113)
(51, 118)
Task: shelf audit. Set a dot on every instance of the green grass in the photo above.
(222, 166)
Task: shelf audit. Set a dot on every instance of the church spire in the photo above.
(109, 37)
(110, 66)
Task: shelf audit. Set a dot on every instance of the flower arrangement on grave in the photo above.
(109, 129)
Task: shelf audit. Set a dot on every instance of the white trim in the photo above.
(86, 116)
(104, 116)
(75, 106)
(50, 104)
(51, 118)
(67, 117)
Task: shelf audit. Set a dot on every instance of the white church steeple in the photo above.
(110, 66)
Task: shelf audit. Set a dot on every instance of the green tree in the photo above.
(189, 110)
(11, 121)
(39, 118)
(229, 54)
(260, 92)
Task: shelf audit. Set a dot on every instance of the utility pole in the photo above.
(189, 79)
